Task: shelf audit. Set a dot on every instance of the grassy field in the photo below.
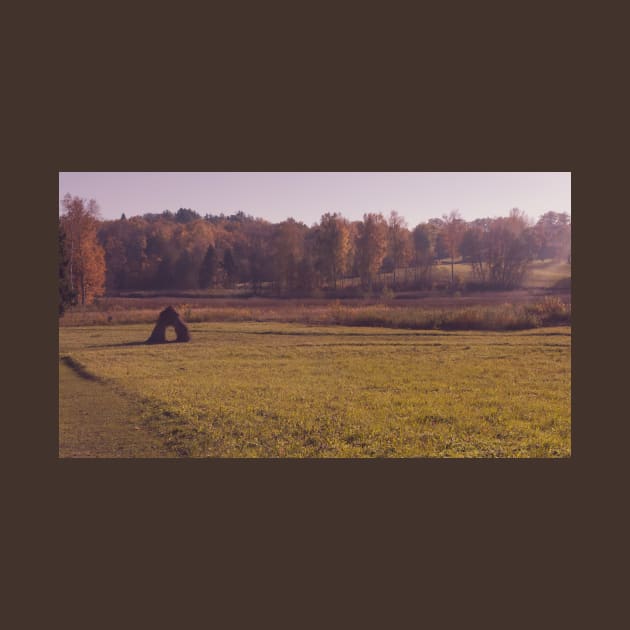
(548, 274)
(271, 389)
(541, 273)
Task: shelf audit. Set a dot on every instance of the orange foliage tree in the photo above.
(371, 246)
(332, 246)
(86, 266)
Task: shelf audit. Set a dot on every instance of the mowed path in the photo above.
(95, 421)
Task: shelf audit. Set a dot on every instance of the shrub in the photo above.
(552, 311)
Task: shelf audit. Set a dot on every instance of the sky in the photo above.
(305, 196)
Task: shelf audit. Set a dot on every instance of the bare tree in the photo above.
(553, 231)
(474, 247)
(424, 251)
(511, 247)
(398, 241)
(453, 232)
(371, 246)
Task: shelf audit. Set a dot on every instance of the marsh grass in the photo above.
(549, 312)
(503, 316)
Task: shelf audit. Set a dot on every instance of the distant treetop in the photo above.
(186, 215)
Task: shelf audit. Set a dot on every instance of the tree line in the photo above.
(183, 250)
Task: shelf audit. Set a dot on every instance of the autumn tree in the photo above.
(186, 215)
(288, 242)
(185, 271)
(474, 247)
(352, 268)
(125, 243)
(510, 249)
(424, 252)
(332, 245)
(371, 246)
(165, 273)
(553, 231)
(453, 231)
(86, 266)
(398, 241)
(175, 250)
(257, 252)
(161, 252)
(306, 275)
(436, 226)
(117, 269)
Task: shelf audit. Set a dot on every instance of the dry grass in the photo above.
(549, 312)
(453, 314)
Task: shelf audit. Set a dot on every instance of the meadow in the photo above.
(295, 389)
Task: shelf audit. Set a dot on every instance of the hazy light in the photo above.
(305, 196)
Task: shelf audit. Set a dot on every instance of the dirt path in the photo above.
(95, 421)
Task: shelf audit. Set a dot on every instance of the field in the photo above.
(277, 389)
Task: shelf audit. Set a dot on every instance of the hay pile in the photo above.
(169, 317)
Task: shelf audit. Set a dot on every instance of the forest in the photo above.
(183, 250)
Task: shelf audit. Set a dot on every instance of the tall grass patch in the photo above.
(550, 311)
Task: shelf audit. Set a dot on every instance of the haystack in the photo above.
(169, 317)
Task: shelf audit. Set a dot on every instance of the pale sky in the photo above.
(305, 196)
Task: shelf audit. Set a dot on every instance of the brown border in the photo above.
(275, 161)
(520, 524)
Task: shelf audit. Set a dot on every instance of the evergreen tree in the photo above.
(185, 271)
(229, 268)
(165, 275)
(209, 268)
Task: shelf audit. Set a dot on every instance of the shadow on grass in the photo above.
(127, 344)
(388, 332)
(79, 368)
